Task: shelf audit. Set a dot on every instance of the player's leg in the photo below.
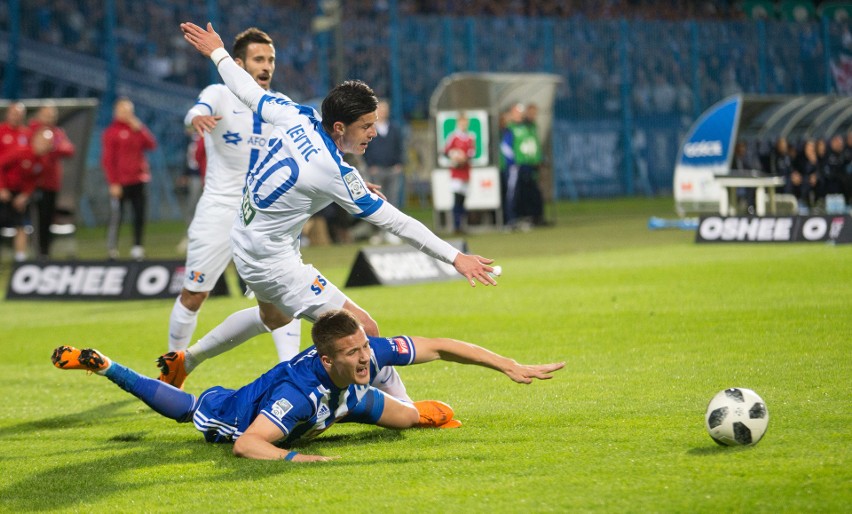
(162, 398)
(113, 226)
(208, 253)
(237, 328)
(287, 339)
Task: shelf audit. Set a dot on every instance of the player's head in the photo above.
(349, 116)
(253, 50)
(343, 347)
(123, 110)
(462, 121)
(15, 114)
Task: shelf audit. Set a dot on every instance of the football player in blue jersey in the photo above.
(299, 399)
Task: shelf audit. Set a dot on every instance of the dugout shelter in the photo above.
(708, 148)
(484, 97)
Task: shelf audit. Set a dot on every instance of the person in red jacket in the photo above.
(125, 142)
(20, 166)
(14, 132)
(50, 179)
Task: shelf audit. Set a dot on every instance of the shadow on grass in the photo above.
(717, 449)
(69, 420)
(109, 469)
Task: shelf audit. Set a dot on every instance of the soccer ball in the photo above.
(736, 416)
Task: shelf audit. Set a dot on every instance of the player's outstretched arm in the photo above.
(475, 268)
(205, 41)
(429, 349)
(256, 443)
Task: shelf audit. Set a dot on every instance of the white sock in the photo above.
(182, 323)
(388, 381)
(287, 340)
(237, 328)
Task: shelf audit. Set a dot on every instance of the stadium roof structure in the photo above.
(495, 93)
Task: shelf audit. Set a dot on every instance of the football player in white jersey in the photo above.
(233, 138)
(300, 399)
(300, 172)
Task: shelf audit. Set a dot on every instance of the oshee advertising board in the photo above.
(78, 280)
(771, 229)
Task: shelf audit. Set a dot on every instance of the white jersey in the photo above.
(233, 146)
(301, 171)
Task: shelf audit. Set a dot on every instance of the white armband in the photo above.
(219, 55)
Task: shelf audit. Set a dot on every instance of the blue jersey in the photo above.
(297, 396)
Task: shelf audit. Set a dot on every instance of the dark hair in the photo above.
(330, 327)
(347, 102)
(247, 37)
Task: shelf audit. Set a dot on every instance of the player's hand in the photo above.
(204, 123)
(376, 190)
(5, 195)
(205, 41)
(524, 374)
(115, 190)
(474, 268)
(20, 202)
(313, 458)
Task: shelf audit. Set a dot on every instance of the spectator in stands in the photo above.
(50, 179)
(804, 179)
(385, 157)
(834, 168)
(19, 169)
(781, 162)
(125, 142)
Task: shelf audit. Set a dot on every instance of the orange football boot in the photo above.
(68, 357)
(172, 368)
(433, 413)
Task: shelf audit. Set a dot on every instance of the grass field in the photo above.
(650, 324)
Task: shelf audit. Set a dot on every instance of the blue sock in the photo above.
(165, 399)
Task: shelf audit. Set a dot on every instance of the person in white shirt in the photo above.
(233, 137)
(300, 172)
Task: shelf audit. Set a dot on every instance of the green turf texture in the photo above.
(650, 324)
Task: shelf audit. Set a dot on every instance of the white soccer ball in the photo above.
(736, 416)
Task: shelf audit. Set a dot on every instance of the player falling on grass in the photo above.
(233, 138)
(299, 399)
(300, 172)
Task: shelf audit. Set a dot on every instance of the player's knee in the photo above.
(193, 300)
(273, 318)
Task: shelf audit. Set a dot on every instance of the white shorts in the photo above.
(297, 289)
(208, 251)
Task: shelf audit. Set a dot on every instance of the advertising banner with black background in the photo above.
(772, 229)
(399, 265)
(99, 280)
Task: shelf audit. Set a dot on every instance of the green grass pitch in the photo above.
(651, 326)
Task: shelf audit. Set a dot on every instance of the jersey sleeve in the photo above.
(287, 408)
(205, 105)
(393, 351)
(273, 108)
(413, 232)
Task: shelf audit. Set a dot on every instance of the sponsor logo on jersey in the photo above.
(281, 408)
(356, 188)
(401, 345)
(319, 285)
(232, 138)
(247, 212)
